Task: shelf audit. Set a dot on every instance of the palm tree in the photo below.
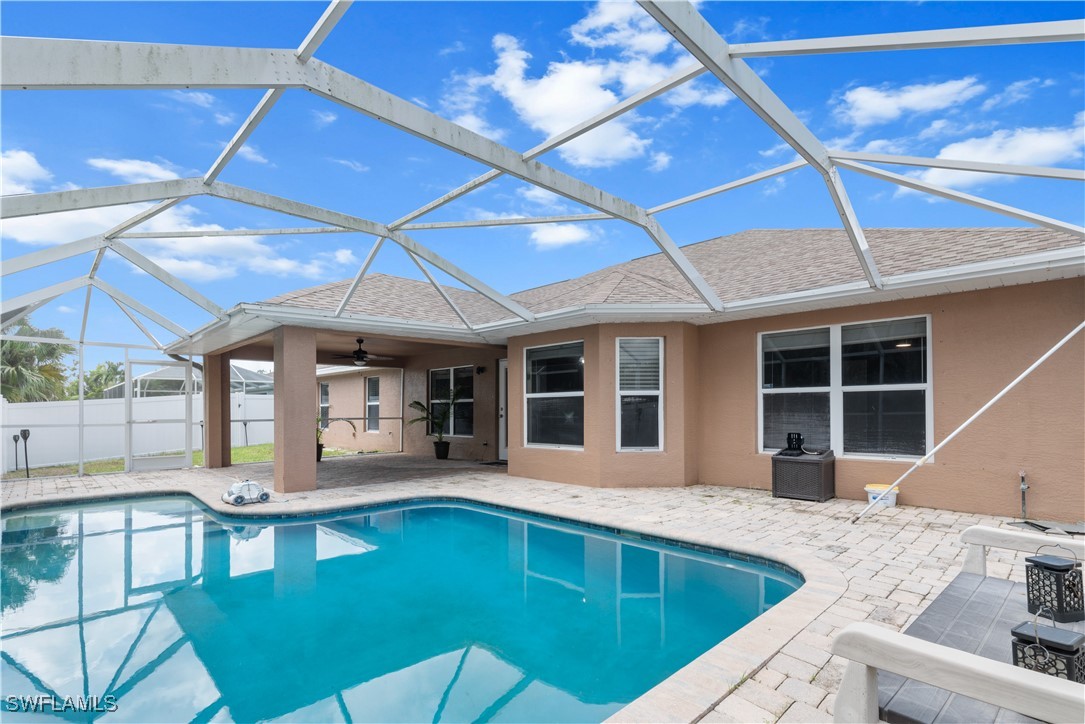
(33, 371)
(101, 378)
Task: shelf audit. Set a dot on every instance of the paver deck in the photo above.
(894, 562)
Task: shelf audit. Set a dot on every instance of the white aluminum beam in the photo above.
(139, 324)
(65, 340)
(328, 20)
(86, 313)
(441, 291)
(366, 263)
(125, 226)
(1059, 31)
(39, 63)
(332, 14)
(695, 34)
(13, 207)
(143, 309)
(754, 178)
(1066, 174)
(166, 278)
(263, 107)
(683, 264)
(54, 253)
(512, 221)
(235, 232)
(314, 213)
(654, 91)
(14, 315)
(979, 203)
(46, 293)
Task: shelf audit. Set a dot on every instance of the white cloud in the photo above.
(773, 186)
(224, 119)
(419, 102)
(352, 165)
(323, 119)
(456, 47)
(251, 153)
(885, 145)
(554, 236)
(571, 90)
(196, 98)
(134, 170)
(65, 309)
(541, 197)
(196, 270)
(344, 256)
(20, 172)
(779, 149)
(1016, 92)
(1049, 146)
(867, 106)
(660, 161)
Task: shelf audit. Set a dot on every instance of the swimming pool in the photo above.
(424, 611)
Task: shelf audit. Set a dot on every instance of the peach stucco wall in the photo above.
(980, 342)
(599, 463)
(346, 398)
(482, 445)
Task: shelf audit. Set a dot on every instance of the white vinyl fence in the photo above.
(103, 436)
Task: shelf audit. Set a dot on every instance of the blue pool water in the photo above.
(417, 612)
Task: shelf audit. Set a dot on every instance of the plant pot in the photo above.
(440, 448)
(319, 451)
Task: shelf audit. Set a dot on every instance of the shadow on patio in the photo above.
(370, 469)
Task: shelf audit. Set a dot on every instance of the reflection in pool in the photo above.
(416, 612)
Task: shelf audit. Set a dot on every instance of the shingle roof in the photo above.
(750, 264)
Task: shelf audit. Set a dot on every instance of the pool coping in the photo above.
(686, 695)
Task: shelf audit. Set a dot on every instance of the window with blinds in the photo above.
(640, 393)
(859, 389)
(324, 410)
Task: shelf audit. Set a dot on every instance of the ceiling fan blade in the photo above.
(377, 356)
(343, 356)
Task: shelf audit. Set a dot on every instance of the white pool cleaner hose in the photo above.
(970, 420)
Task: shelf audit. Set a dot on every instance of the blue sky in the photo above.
(520, 72)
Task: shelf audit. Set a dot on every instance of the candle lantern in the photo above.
(1049, 650)
(1054, 584)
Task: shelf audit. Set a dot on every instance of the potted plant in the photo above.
(436, 416)
(320, 428)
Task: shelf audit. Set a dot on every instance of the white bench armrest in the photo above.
(979, 538)
(871, 647)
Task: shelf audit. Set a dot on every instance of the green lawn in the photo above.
(250, 454)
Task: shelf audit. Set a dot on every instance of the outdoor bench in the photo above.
(953, 664)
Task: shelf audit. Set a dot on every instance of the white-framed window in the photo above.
(554, 395)
(372, 404)
(461, 423)
(861, 389)
(325, 405)
(639, 398)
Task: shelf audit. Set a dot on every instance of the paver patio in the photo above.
(895, 562)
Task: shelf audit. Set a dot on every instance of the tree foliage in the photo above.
(33, 371)
(101, 378)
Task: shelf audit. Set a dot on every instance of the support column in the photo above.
(216, 411)
(295, 409)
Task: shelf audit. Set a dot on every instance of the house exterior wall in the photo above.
(346, 398)
(980, 342)
(482, 445)
(600, 463)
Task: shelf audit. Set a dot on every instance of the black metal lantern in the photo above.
(1054, 584)
(1049, 650)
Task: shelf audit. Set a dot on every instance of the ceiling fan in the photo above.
(360, 356)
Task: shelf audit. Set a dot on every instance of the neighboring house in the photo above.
(166, 381)
(625, 378)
